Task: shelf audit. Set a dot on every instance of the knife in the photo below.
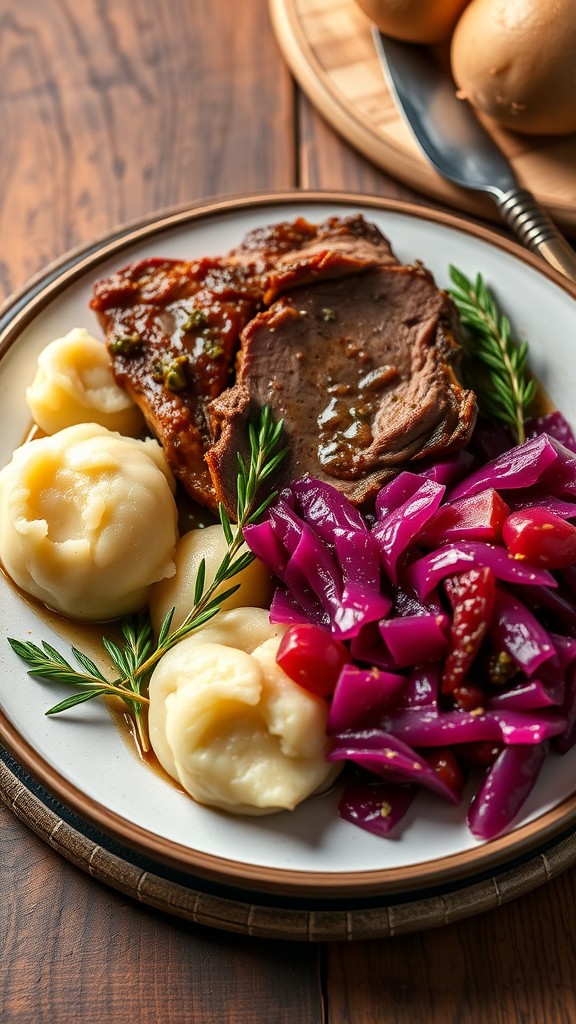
(460, 148)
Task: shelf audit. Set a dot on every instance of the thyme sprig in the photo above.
(135, 658)
(495, 364)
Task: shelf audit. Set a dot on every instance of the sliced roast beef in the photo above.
(361, 371)
(355, 353)
(172, 329)
(173, 326)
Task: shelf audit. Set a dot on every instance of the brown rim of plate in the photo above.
(264, 915)
(422, 876)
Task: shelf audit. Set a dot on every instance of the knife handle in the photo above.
(526, 218)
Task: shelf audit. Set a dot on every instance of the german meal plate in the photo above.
(82, 757)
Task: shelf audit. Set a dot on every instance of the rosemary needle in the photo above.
(494, 365)
(135, 658)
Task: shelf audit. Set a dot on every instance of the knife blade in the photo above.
(460, 148)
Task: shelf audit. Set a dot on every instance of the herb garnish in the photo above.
(128, 345)
(136, 658)
(503, 390)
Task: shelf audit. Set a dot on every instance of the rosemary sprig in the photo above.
(135, 659)
(503, 390)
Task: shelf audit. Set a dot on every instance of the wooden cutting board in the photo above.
(328, 47)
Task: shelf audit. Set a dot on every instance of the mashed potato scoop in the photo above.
(209, 545)
(229, 724)
(74, 383)
(88, 521)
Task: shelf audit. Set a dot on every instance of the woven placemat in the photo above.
(260, 915)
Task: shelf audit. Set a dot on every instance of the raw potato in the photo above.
(88, 521)
(242, 736)
(178, 591)
(416, 21)
(241, 628)
(515, 60)
(74, 383)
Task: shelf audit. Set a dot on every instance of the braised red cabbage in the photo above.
(388, 584)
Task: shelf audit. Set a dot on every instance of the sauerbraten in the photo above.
(353, 350)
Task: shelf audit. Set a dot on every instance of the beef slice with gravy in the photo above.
(361, 371)
(352, 349)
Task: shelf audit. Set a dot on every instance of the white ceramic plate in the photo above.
(82, 758)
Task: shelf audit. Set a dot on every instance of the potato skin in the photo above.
(415, 21)
(514, 61)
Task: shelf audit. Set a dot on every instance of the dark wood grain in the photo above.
(514, 965)
(324, 162)
(74, 950)
(110, 110)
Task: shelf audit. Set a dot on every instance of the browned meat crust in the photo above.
(297, 253)
(173, 330)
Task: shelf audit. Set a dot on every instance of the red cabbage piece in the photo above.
(559, 602)
(539, 497)
(325, 508)
(515, 630)
(421, 688)
(286, 524)
(451, 469)
(285, 608)
(360, 693)
(374, 805)
(554, 424)
(559, 479)
(529, 694)
(428, 727)
(331, 569)
(521, 466)
(368, 648)
(565, 648)
(358, 606)
(396, 492)
(426, 572)
(358, 556)
(530, 727)
(310, 567)
(505, 789)
(362, 599)
(303, 574)
(416, 639)
(390, 758)
(396, 530)
(265, 545)
(444, 728)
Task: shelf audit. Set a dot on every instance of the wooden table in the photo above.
(108, 111)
